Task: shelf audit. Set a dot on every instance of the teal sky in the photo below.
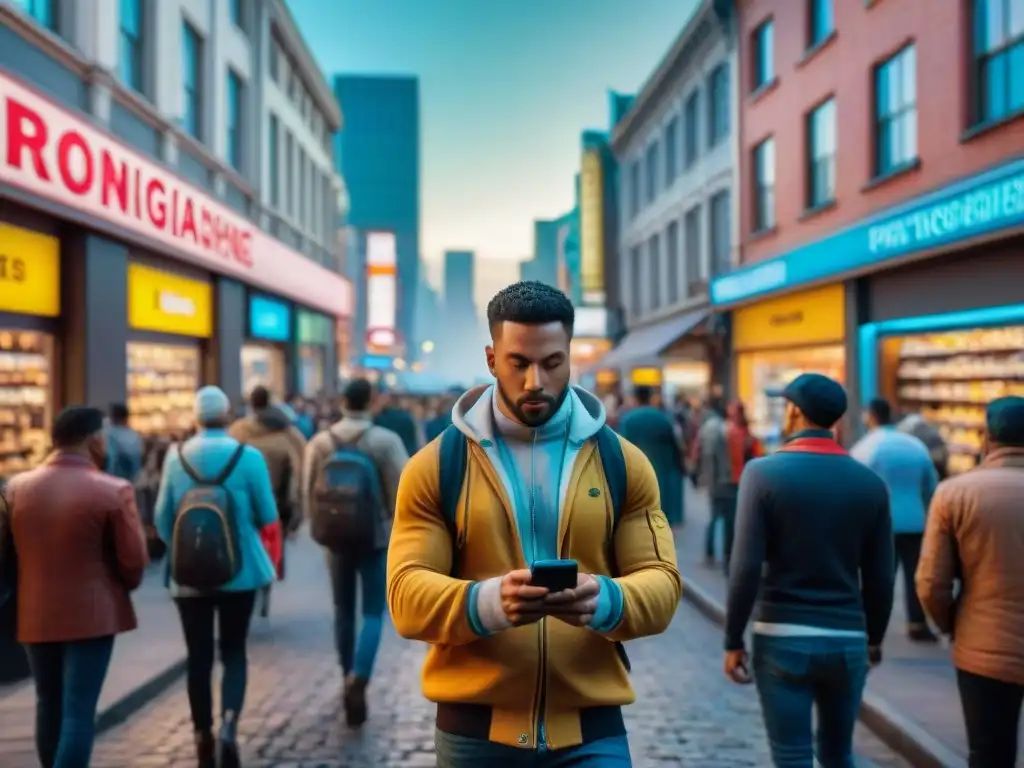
(506, 86)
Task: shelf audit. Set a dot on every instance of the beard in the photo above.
(533, 420)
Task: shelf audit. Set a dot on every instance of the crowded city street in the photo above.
(685, 715)
(545, 384)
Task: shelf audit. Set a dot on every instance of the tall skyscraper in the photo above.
(544, 264)
(378, 150)
(459, 282)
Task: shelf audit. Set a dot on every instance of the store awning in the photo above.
(640, 346)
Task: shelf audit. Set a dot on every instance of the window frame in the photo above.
(274, 160)
(692, 248)
(654, 280)
(651, 162)
(811, 154)
(883, 120)
(235, 150)
(691, 142)
(762, 79)
(720, 204)
(718, 124)
(672, 251)
(635, 189)
(130, 69)
(636, 279)
(763, 219)
(193, 92)
(670, 138)
(982, 57)
(817, 35)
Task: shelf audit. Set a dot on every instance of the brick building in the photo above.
(880, 150)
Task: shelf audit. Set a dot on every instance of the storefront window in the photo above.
(162, 384)
(263, 365)
(763, 375)
(26, 397)
(311, 371)
(949, 379)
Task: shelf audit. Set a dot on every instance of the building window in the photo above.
(896, 112)
(672, 259)
(691, 120)
(289, 173)
(999, 58)
(303, 213)
(236, 97)
(43, 11)
(691, 232)
(192, 80)
(820, 22)
(764, 54)
(651, 185)
(721, 233)
(235, 12)
(654, 265)
(276, 61)
(671, 142)
(764, 185)
(718, 105)
(636, 294)
(634, 189)
(274, 161)
(130, 54)
(821, 155)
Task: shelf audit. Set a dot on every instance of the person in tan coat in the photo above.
(975, 535)
(80, 551)
(271, 432)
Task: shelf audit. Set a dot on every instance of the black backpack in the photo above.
(205, 544)
(348, 500)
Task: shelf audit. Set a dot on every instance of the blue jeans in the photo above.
(370, 571)
(794, 675)
(463, 752)
(68, 677)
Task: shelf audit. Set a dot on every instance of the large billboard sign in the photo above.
(381, 292)
(592, 227)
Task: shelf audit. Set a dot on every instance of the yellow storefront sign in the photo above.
(811, 317)
(166, 303)
(29, 272)
(646, 377)
(592, 227)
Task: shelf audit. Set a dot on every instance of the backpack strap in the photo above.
(224, 474)
(613, 462)
(452, 460)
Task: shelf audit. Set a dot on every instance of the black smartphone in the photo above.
(555, 575)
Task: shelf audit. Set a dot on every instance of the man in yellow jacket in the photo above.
(529, 472)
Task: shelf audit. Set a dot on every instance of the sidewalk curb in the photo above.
(901, 735)
(137, 698)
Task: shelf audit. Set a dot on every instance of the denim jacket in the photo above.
(249, 484)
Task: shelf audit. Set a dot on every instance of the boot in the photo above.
(355, 700)
(229, 757)
(206, 750)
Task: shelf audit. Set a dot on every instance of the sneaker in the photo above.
(229, 757)
(355, 701)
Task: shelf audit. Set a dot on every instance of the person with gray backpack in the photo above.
(350, 484)
(214, 500)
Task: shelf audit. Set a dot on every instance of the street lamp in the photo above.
(427, 346)
(399, 364)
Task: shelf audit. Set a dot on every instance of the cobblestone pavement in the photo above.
(686, 714)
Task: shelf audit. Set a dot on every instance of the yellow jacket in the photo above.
(549, 665)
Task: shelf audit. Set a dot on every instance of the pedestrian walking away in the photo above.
(271, 431)
(652, 431)
(528, 545)
(215, 498)
(349, 492)
(80, 551)
(814, 550)
(905, 465)
(975, 534)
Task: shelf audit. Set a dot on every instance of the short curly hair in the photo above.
(530, 302)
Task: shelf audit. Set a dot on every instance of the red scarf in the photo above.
(742, 447)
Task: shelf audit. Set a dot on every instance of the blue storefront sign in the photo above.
(980, 205)
(378, 362)
(269, 319)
